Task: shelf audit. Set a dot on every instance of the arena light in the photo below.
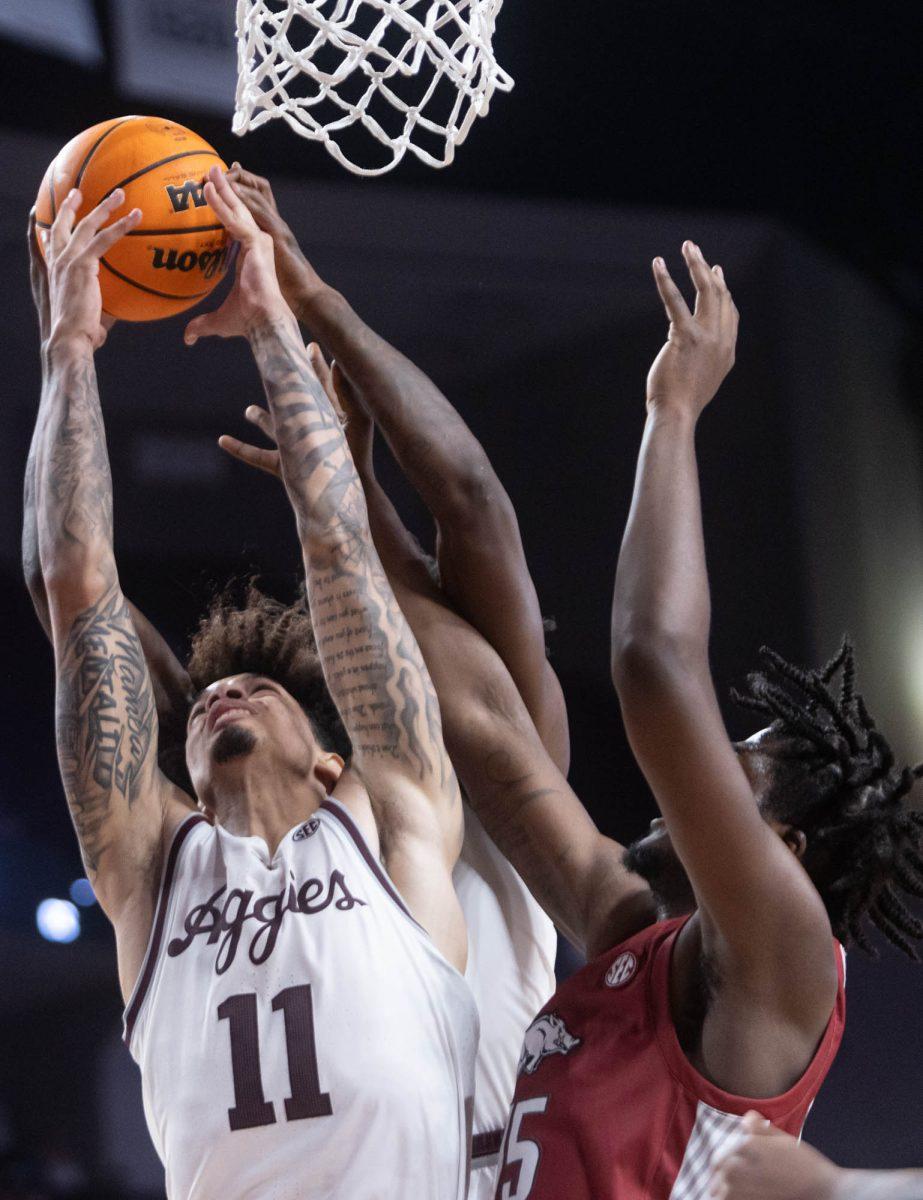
(58, 920)
(82, 894)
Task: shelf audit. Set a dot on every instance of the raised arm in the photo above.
(169, 679)
(106, 722)
(371, 661)
(762, 920)
(483, 569)
(522, 798)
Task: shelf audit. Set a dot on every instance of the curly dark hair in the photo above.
(263, 636)
(836, 780)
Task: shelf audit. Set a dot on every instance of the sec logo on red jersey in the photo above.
(622, 970)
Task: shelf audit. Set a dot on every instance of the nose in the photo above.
(231, 691)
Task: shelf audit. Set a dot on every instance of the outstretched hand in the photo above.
(255, 294)
(65, 287)
(769, 1165)
(38, 281)
(339, 392)
(297, 277)
(699, 351)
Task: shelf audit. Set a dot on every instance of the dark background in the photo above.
(780, 139)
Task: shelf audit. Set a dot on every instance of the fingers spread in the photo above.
(253, 456)
(210, 324)
(228, 206)
(87, 229)
(262, 420)
(673, 302)
(245, 178)
(707, 302)
(64, 222)
(106, 238)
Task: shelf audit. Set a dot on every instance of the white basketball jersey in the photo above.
(511, 953)
(299, 1035)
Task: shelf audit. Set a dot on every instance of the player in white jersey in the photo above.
(249, 944)
(481, 572)
(292, 1000)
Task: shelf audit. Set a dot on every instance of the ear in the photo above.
(795, 839)
(328, 769)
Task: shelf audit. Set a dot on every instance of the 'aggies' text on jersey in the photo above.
(298, 1033)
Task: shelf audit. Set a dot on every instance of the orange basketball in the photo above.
(179, 252)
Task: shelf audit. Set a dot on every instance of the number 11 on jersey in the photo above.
(251, 1108)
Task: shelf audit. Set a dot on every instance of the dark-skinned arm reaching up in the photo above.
(482, 564)
(761, 924)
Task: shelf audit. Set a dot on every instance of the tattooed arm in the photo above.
(482, 564)
(106, 723)
(509, 777)
(169, 679)
(371, 660)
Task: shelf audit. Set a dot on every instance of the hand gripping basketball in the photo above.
(72, 254)
(256, 295)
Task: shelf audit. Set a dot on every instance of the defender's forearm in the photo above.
(435, 449)
(73, 485)
(661, 585)
(371, 660)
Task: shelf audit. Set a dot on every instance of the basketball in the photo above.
(179, 252)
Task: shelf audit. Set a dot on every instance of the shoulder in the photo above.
(351, 794)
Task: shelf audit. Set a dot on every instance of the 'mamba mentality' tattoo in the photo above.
(105, 717)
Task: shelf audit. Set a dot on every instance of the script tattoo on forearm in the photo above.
(371, 660)
(105, 718)
(73, 482)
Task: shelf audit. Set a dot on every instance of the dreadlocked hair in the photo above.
(262, 636)
(837, 781)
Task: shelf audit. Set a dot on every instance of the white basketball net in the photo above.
(414, 74)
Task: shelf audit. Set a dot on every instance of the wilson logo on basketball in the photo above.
(622, 970)
(209, 262)
(190, 190)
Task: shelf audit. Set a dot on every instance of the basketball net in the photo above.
(413, 74)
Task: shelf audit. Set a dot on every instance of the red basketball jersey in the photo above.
(608, 1107)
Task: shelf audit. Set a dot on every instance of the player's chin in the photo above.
(232, 741)
(647, 855)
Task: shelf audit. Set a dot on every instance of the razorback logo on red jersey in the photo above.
(546, 1035)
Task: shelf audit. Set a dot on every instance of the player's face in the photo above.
(656, 861)
(654, 857)
(243, 716)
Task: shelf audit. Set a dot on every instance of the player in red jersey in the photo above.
(728, 994)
